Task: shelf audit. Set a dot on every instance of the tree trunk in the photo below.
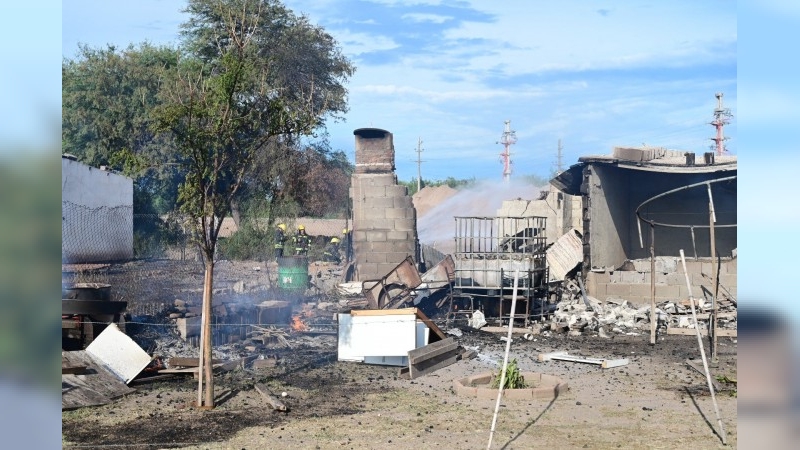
(237, 217)
(208, 285)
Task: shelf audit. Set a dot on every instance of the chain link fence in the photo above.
(96, 234)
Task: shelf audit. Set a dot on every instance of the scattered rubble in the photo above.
(615, 315)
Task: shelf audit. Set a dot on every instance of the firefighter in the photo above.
(280, 239)
(302, 241)
(332, 251)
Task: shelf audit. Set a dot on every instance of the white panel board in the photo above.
(119, 353)
(345, 348)
(387, 335)
(422, 335)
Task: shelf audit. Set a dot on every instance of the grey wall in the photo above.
(615, 193)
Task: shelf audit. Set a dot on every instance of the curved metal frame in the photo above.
(653, 223)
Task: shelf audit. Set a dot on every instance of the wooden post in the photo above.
(653, 314)
(505, 358)
(207, 371)
(702, 351)
(200, 362)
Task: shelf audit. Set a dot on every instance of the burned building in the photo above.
(672, 189)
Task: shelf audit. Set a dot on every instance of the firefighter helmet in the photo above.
(335, 240)
(301, 227)
(282, 226)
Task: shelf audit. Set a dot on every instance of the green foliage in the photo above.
(449, 181)
(217, 122)
(249, 242)
(514, 378)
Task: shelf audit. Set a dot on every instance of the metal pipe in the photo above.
(505, 358)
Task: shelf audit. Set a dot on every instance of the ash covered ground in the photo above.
(655, 401)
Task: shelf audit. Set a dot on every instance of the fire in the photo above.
(297, 324)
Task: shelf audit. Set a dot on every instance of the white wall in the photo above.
(97, 214)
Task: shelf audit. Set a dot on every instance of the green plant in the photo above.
(514, 378)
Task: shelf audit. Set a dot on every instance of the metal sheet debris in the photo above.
(564, 255)
(564, 356)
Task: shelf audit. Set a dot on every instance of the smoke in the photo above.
(437, 227)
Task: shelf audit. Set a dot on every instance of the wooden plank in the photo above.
(272, 400)
(151, 379)
(180, 361)
(609, 363)
(706, 316)
(436, 330)
(467, 354)
(433, 364)
(70, 324)
(97, 387)
(73, 369)
(224, 366)
(703, 332)
(429, 351)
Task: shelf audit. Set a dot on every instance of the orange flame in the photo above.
(297, 324)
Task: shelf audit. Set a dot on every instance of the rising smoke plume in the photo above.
(437, 227)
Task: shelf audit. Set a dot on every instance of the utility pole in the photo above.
(508, 139)
(560, 160)
(721, 118)
(419, 163)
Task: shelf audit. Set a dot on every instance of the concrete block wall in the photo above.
(634, 285)
(384, 218)
(563, 211)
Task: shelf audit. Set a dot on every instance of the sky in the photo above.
(591, 74)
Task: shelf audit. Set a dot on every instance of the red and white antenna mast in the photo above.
(722, 117)
(508, 139)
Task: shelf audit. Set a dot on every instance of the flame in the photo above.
(297, 324)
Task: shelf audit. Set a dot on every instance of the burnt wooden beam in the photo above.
(273, 401)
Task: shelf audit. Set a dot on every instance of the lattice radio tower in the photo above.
(508, 139)
(722, 117)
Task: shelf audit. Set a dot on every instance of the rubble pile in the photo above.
(614, 315)
(578, 314)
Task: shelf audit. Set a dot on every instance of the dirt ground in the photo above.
(655, 401)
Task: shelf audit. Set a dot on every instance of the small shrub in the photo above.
(514, 378)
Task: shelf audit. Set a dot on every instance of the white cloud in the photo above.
(430, 18)
(359, 43)
(573, 36)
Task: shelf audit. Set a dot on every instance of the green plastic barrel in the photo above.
(293, 273)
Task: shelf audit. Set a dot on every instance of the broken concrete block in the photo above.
(188, 326)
